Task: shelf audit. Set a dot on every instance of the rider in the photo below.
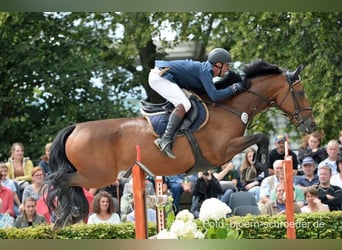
(168, 77)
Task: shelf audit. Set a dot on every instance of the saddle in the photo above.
(158, 114)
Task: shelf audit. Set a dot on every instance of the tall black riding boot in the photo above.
(164, 143)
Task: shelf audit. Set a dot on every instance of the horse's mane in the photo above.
(260, 67)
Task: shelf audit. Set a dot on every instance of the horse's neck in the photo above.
(260, 96)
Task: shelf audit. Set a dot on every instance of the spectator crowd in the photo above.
(317, 185)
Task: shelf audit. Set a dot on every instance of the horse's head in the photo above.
(271, 86)
(294, 103)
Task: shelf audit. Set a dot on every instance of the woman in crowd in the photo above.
(313, 203)
(104, 210)
(311, 146)
(19, 167)
(249, 178)
(29, 218)
(35, 189)
(44, 159)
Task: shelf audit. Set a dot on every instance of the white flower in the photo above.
(213, 209)
(183, 230)
(164, 234)
(185, 227)
(185, 215)
(199, 235)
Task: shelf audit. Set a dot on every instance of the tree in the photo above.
(48, 62)
(289, 39)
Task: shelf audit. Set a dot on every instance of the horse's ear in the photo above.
(294, 75)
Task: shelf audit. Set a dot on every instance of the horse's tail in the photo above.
(63, 200)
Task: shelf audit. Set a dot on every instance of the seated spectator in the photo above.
(278, 153)
(150, 212)
(127, 199)
(115, 189)
(332, 150)
(311, 147)
(151, 215)
(7, 197)
(327, 193)
(279, 177)
(35, 189)
(19, 167)
(336, 179)
(227, 173)
(270, 182)
(313, 203)
(6, 220)
(7, 182)
(309, 178)
(178, 184)
(29, 218)
(103, 210)
(249, 177)
(278, 206)
(298, 195)
(44, 159)
(206, 186)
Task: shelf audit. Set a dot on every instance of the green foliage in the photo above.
(308, 226)
(48, 62)
(77, 231)
(169, 212)
(39, 232)
(219, 229)
(292, 38)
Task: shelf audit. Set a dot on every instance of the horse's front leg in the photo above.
(261, 158)
(237, 145)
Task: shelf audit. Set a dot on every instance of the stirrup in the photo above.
(166, 149)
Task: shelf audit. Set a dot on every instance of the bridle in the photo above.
(298, 109)
(296, 115)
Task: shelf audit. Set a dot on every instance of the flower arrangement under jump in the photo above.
(212, 223)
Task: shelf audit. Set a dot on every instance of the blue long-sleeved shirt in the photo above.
(195, 76)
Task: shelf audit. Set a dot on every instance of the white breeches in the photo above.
(167, 89)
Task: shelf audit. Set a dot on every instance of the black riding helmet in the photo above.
(219, 55)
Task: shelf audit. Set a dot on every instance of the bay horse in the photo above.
(91, 154)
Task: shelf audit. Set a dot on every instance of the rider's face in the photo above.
(220, 69)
